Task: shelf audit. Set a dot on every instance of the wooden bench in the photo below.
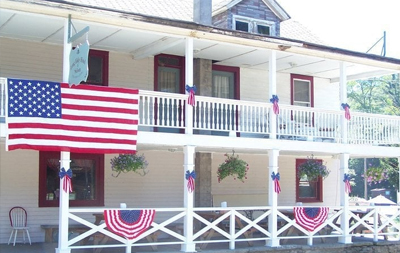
(50, 229)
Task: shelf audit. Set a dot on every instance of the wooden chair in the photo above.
(18, 221)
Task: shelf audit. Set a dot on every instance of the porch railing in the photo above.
(239, 224)
(216, 116)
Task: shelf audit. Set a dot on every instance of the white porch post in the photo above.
(343, 99)
(344, 199)
(189, 81)
(64, 162)
(272, 91)
(189, 152)
(273, 155)
(189, 246)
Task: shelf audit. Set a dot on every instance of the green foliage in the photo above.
(129, 162)
(312, 169)
(233, 166)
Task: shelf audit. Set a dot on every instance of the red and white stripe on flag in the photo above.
(84, 119)
(129, 223)
(310, 217)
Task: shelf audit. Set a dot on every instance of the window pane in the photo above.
(262, 29)
(223, 84)
(242, 26)
(307, 189)
(168, 79)
(83, 179)
(95, 70)
(301, 93)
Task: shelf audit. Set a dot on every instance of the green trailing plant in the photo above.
(129, 162)
(233, 166)
(312, 169)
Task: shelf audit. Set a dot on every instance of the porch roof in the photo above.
(143, 36)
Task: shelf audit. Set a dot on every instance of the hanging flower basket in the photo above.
(129, 162)
(233, 166)
(312, 169)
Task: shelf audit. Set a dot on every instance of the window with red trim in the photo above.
(98, 68)
(87, 179)
(302, 90)
(308, 191)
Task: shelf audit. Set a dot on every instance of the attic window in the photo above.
(250, 25)
(242, 26)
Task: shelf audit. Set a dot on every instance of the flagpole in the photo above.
(65, 160)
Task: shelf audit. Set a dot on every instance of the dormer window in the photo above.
(251, 25)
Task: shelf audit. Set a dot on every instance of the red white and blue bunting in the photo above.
(346, 108)
(129, 223)
(276, 177)
(274, 100)
(190, 177)
(347, 186)
(66, 177)
(191, 90)
(310, 217)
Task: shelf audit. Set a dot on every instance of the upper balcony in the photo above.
(166, 113)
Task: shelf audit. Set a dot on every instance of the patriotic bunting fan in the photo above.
(66, 177)
(129, 223)
(310, 217)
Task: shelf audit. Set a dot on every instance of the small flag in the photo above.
(276, 177)
(346, 108)
(191, 90)
(274, 100)
(347, 186)
(129, 223)
(190, 177)
(66, 177)
(310, 217)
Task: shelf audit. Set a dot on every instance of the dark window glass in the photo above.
(308, 190)
(242, 26)
(262, 29)
(98, 68)
(87, 179)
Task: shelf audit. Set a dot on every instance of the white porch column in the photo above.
(273, 155)
(189, 245)
(343, 99)
(344, 199)
(272, 91)
(64, 162)
(189, 81)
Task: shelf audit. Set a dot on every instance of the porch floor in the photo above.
(292, 246)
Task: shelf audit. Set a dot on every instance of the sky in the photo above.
(350, 24)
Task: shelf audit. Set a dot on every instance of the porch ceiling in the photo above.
(141, 43)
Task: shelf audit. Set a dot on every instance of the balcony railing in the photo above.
(252, 119)
(216, 116)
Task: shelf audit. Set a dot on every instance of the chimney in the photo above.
(202, 10)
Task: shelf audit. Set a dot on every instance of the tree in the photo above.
(377, 95)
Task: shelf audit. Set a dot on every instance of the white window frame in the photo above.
(253, 24)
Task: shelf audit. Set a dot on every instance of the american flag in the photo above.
(51, 116)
